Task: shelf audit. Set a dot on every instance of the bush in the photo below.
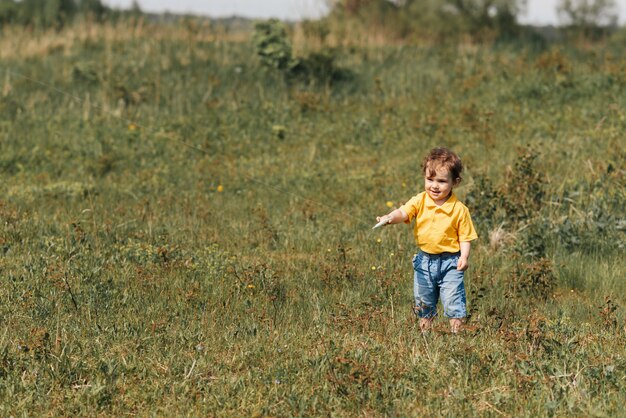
(272, 45)
(274, 50)
(515, 204)
(523, 189)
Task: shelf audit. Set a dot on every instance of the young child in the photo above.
(443, 232)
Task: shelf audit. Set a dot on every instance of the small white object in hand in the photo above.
(382, 222)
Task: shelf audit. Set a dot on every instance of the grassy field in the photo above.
(182, 232)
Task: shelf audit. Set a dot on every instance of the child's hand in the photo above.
(385, 218)
(463, 264)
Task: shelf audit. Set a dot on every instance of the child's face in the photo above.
(438, 183)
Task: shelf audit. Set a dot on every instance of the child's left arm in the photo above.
(463, 263)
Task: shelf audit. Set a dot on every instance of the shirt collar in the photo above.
(446, 207)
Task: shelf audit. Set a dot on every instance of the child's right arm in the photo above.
(394, 217)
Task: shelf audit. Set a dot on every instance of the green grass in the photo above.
(132, 285)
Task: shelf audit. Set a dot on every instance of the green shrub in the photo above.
(273, 46)
(523, 189)
(275, 52)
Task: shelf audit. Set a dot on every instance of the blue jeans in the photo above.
(436, 275)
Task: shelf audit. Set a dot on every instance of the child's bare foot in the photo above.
(426, 324)
(455, 325)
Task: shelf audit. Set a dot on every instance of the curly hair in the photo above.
(443, 157)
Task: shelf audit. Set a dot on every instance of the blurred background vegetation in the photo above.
(478, 19)
(186, 204)
(434, 20)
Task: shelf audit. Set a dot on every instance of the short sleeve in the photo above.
(412, 208)
(466, 229)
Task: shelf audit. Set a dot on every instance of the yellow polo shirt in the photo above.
(439, 229)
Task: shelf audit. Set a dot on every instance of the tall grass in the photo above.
(182, 232)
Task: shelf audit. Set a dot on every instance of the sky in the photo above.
(539, 12)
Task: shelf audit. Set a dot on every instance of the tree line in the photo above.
(473, 17)
(55, 13)
(400, 18)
